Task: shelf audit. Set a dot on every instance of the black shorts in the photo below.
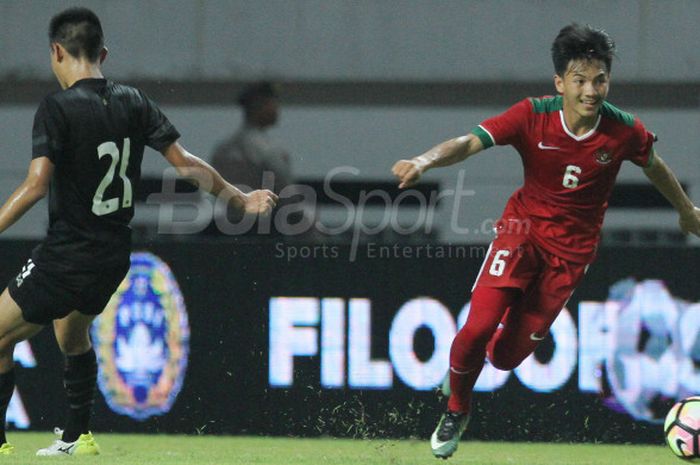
(45, 294)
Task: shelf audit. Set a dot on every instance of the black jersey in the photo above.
(94, 133)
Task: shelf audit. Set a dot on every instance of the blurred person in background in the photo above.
(251, 159)
(249, 153)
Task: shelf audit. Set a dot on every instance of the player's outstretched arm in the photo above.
(666, 182)
(207, 178)
(447, 153)
(32, 189)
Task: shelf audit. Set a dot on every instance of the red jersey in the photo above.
(568, 178)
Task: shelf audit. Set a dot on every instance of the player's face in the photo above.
(584, 86)
(268, 112)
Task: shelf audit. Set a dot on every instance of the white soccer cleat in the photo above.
(84, 445)
(445, 438)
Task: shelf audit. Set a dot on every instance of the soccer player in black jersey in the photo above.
(88, 141)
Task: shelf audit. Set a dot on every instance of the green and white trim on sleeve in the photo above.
(484, 136)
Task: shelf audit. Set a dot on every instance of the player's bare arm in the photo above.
(444, 154)
(204, 176)
(666, 182)
(32, 189)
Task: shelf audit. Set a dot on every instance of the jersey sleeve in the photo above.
(158, 131)
(49, 132)
(641, 143)
(506, 128)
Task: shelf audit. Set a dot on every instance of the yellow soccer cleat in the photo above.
(7, 449)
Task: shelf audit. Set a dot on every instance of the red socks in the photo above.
(488, 306)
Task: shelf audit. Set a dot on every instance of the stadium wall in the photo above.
(282, 339)
(363, 40)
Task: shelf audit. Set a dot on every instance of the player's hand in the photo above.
(260, 202)
(690, 222)
(408, 172)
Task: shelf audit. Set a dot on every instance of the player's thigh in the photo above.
(525, 327)
(543, 302)
(13, 327)
(99, 288)
(73, 330)
(511, 261)
(43, 292)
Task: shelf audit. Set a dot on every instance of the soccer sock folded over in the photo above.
(469, 346)
(79, 379)
(7, 387)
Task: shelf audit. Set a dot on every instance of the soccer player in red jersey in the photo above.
(572, 147)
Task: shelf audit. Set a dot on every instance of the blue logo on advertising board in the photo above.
(142, 341)
(653, 349)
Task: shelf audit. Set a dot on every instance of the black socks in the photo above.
(7, 387)
(80, 380)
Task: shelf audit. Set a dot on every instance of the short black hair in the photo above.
(255, 92)
(79, 31)
(577, 42)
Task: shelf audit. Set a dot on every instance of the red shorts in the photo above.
(546, 280)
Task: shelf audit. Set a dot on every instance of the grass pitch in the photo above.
(224, 450)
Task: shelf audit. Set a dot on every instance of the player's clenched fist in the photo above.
(690, 222)
(408, 172)
(260, 202)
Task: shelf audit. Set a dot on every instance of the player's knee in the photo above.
(467, 349)
(7, 349)
(505, 360)
(473, 337)
(75, 349)
(505, 364)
